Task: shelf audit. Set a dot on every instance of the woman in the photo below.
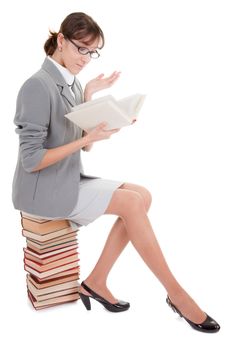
(49, 180)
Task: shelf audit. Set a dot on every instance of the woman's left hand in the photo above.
(100, 83)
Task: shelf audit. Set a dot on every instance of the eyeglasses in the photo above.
(85, 51)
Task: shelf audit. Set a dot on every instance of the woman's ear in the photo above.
(60, 38)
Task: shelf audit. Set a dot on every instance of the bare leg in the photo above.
(141, 235)
(128, 205)
(97, 280)
(115, 244)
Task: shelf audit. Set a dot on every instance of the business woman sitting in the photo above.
(49, 179)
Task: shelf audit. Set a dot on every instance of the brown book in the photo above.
(52, 265)
(52, 302)
(48, 236)
(43, 228)
(53, 282)
(50, 243)
(53, 244)
(33, 217)
(51, 296)
(49, 254)
(42, 219)
(50, 272)
(40, 249)
(53, 289)
(56, 239)
(63, 274)
(53, 292)
(56, 246)
(50, 259)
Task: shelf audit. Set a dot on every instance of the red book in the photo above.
(45, 267)
(50, 272)
(66, 273)
(50, 259)
(51, 253)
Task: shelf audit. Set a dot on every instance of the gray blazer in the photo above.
(41, 104)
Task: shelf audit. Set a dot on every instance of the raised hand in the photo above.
(100, 83)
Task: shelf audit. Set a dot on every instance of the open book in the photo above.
(116, 113)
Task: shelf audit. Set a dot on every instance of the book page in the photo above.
(95, 102)
(89, 115)
(117, 113)
(131, 104)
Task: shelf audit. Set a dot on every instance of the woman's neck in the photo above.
(57, 57)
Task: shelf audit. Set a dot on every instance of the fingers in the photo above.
(114, 130)
(102, 125)
(114, 76)
(110, 132)
(100, 76)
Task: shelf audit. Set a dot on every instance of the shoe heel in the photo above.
(86, 301)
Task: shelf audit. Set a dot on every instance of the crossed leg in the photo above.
(134, 225)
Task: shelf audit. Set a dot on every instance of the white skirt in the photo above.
(94, 198)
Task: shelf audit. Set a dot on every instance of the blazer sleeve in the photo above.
(32, 120)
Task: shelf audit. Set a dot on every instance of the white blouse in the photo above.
(67, 75)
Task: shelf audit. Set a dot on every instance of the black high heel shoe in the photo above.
(208, 326)
(117, 307)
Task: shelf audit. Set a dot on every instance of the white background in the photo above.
(178, 53)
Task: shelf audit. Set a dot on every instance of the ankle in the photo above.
(95, 282)
(176, 294)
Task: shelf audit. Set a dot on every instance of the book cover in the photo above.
(51, 294)
(50, 272)
(33, 217)
(54, 257)
(52, 302)
(45, 267)
(51, 288)
(66, 273)
(61, 239)
(45, 283)
(47, 236)
(51, 245)
(50, 249)
(44, 227)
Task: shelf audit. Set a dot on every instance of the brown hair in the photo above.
(78, 26)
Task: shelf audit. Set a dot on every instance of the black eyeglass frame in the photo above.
(86, 50)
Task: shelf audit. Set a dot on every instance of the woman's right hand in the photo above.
(99, 133)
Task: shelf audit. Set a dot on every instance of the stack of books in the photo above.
(51, 260)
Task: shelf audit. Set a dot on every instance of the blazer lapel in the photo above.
(77, 89)
(51, 69)
(68, 95)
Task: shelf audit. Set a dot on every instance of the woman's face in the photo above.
(69, 56)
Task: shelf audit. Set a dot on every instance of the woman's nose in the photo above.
(85, 58)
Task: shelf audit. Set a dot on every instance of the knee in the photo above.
(142, 191)
(134, 203)
(127, 202)
(147, 197)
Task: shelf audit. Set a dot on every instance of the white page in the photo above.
(94, 102)
(116, 113)
(91, 116)
(132, 104)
